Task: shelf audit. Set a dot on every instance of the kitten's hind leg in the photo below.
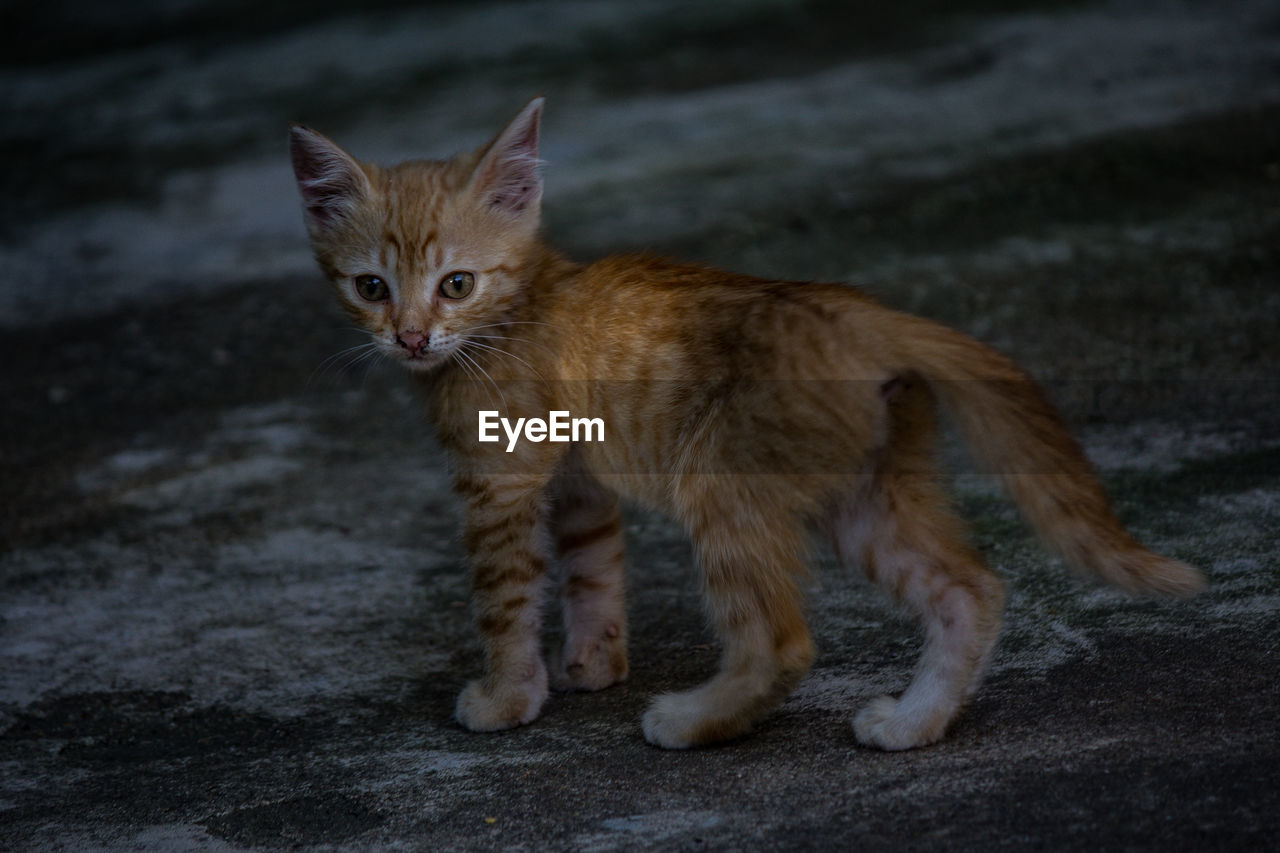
(749, 570)
(911, 545)
(588, 533)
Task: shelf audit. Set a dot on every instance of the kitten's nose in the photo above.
(413, 340)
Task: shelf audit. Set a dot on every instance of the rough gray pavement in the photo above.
(232, 600)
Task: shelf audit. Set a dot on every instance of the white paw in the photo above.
(671, 721)
(884, 724)
(696, 717)
(486, 708)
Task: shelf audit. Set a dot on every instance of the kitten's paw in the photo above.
(682, 720)
(671, 721)
(592, 665)
(885, 724)
(483, 707)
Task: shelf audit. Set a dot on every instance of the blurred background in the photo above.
(198, 511)
(1112, 166)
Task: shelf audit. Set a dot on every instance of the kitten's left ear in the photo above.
(507, 177)
(330, 180)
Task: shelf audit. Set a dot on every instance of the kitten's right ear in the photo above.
(330, 180)
(506, 178)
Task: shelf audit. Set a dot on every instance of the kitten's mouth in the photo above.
(416, 351)
(423, 360)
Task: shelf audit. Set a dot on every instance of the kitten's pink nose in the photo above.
(413, 340)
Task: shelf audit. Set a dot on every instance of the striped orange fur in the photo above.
(754, 412)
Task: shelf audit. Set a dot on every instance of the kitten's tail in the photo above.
(1018, 435)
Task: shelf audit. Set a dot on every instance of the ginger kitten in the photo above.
(754, 412)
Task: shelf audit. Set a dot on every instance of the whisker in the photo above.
(476, 377)
(508, 338)
(462, 352)
(471, 374)
(464, 365)
(513, 323)
(508, 323)
(508, 355)
(369, 359)
(349, 357)
(340, 353)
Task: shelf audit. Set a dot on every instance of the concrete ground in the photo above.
(232, 599)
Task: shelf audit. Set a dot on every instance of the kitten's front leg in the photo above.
(503, 538)
(588, 534)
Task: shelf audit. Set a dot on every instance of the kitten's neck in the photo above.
(545, 272)
(548, 269)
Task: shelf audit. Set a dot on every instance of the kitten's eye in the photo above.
(457, 284)
(371, 288)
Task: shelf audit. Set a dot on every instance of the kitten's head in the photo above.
(425, 253)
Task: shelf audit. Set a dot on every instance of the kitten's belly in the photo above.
(651, 490)
(634, 475)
